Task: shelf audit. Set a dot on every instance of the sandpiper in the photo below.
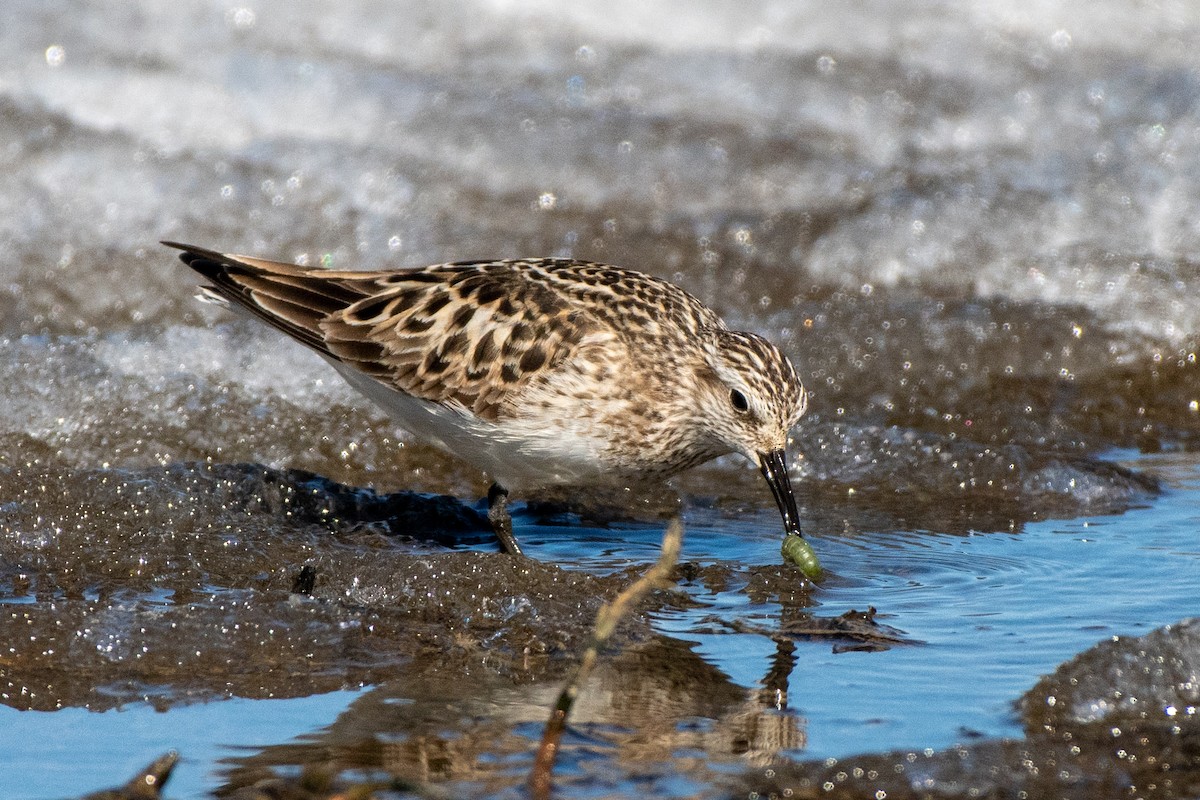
(539, 372)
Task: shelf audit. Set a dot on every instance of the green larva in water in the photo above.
(798, 551)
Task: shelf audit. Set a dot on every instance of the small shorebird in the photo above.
(540, 371)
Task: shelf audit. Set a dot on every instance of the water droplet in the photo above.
(241, 18)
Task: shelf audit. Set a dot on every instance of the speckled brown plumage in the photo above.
(539, 371)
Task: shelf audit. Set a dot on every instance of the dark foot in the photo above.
(501, 521)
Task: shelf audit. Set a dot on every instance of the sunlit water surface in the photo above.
(989, 613)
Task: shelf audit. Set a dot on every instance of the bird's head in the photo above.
(751, 400)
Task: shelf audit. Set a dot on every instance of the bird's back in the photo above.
(469, 334)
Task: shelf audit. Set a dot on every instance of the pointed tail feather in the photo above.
(288, 297)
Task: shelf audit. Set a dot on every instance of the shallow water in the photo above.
(990, 610)
(973, 228)
(987, 614)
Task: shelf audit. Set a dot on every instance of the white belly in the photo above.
(518, 453)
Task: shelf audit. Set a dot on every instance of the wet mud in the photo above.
(147, 600)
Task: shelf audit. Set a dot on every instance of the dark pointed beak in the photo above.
(774, 469)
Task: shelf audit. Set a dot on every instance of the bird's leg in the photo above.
(501, 520)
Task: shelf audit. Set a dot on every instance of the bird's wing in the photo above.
(471, 335)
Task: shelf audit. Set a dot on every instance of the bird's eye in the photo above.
(740, 404)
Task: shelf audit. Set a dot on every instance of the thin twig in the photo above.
(607, 619)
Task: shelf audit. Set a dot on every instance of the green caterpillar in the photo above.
(798, 551)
